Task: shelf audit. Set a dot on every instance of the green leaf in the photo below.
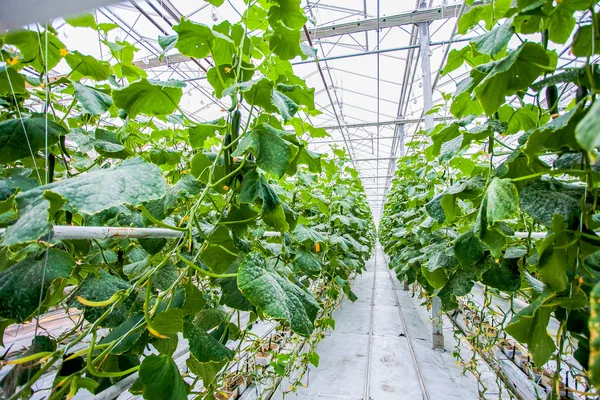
(273, 153)
(204, 347)
(501, 201)
(133, 182)
(100, 287)
(206, 371)
(161, 379)
(82, 21)
(186, 187)
(200, 133)
(504, 275)
(304, 235)
(32, 46)
(494, 41)
(217, 256)
(256, 18)
(459, 284)
(541, 200)
(287, 108)
(21, 284)
(168, 322)
(275, 295)
(149, 97)
(561, 23)
(468, 249)
(557, 255)
(288, 12)
(215, 3)
(308, 262)
(519, 69)
(84, 66)
(199, 41)
(258, 92)
(437, 265)
(17, 136)
(582, 41)
(586, 131)
(122, 333)
(11, 81)
(255, 186)
(529, 326)
(91, 100)
(285, 42)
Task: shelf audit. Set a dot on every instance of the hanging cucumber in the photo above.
(552, 99)
(594, 326)
(545, 34)
(582, 92)
(235, 127)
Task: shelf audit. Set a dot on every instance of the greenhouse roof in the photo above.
(368, 82)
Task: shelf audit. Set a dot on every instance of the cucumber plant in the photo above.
(518, 154)
(104, 145)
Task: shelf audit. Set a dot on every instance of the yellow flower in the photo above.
(13, 60)
(64, 52)
(227, 70)
(225, 188)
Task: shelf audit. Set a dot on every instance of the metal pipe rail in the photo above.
(65, 232)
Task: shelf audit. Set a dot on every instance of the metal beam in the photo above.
(365, 25)
(406, 18)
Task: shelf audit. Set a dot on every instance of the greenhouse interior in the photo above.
(299, 199)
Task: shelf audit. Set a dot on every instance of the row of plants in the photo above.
(517, 153)
(105, 145)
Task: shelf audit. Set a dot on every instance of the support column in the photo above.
(424, 40)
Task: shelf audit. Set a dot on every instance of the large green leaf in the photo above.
(11, 81)
(186, 187)
(273, 153)
(494, 41)
(125, 334)
(100, 287)
(201, 132)
(501, 200)
(285, 42)
(84, 66)
(22, 283)
(203, 346)
(504, 275)
(288, 12)
(149, 97)
(32, 46)
(529, 326)
(92, 100)
(198, 40)
(557, 255)
(218, 253)
(519, 69)
(468, 249)
(541, 200)
(586, 131)
(255, 186)
(20, 137)
(134, 181)
(108, 144)
(161, 379)
(275, 295)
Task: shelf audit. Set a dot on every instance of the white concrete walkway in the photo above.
(368, 355)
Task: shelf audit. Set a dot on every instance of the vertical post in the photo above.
(424, 40)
